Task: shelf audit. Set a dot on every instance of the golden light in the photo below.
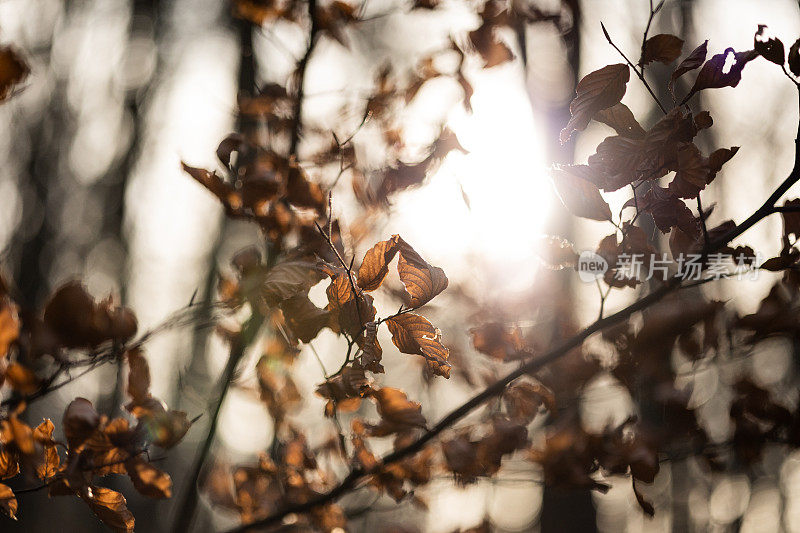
(487, 207)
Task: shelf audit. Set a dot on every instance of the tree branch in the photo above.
(496, 388)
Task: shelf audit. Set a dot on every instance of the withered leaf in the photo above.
(692, 61)
(621, 118)
(148, 480)
(794, 58)
(110, 507)
(22, 379)
(375, 266)
(225, 193)
(9, 325)
(498, 341)
(715, 75)
(596, 91)
(791, 220)
(579, 196)
(414, 334)
(556, 253)
(288, 279)
(8, 502)
(664, 48)
(80, 322)
(422, 280)
(43, 434)
(80, 421)
(395, 407)
(13, 70)
(771, 48)
(138, 376)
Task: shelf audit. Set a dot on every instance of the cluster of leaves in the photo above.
(73, 331)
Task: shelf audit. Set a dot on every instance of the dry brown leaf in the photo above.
(414, 334)
(598, 90)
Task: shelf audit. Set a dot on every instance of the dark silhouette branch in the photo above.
(356, 475)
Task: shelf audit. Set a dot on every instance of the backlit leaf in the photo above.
(148, 480)
(621, 118)
(422, 280)
(580, 197)
(664, 48)
(414, 334)
(596, 91)
(375, 266)
(692, 61)
(717, 73)
(110, 507)
(8, 502)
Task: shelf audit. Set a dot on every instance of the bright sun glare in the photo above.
(491, 203)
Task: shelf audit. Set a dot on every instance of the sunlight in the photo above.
(490, 204)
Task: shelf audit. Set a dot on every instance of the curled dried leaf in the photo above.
(414, 334)
(598, 90)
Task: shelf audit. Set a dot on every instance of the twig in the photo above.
(640, 75)
(357, 474)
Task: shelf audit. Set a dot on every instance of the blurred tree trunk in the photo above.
(565, 511)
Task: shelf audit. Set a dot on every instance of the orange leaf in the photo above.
(596, 91)
(8, 502)
(22, 379)
(148, 480)
(43, 434)
(395, 407)
(110, 507)
(375, 266)
(413, 334)
(423, 281)
(138, 376)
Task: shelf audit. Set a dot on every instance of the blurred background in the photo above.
(91, 188)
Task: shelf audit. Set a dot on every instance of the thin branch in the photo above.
(640, 75)
(357, 474)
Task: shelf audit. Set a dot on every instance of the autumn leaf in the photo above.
(80, 421)
(43, 434)
(413, 334)
(556, 253)
(8, 502)
(225, 193)
(664, 48)
(110, 507)
(22, 379)
(9, 326)
(579, 196)
(148, 480)
(395, 407)
(771, 48)
(138, 376)
(375, 265)
(498, 341)
(289, 279)
(596, 91)
(715, 74)
(692, 61)
(794, 58)
(422, 280)
(621, 118)
(13, 71)
(80, 322)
